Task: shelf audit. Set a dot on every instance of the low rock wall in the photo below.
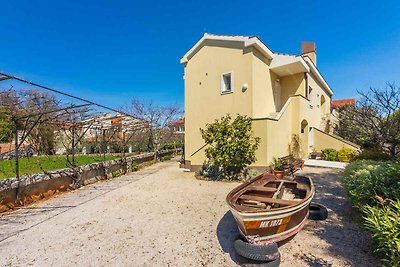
(27, 189)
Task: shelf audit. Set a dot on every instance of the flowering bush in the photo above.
(346, 155)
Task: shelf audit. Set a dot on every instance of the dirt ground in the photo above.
(163, 216)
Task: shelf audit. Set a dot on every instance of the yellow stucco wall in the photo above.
(315, 103)
(323, 140)
(292, 85)
(203, 99)
(279, 135)
(204, 102)
(262, 87)
(260, 130)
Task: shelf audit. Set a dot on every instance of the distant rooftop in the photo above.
(343, 102)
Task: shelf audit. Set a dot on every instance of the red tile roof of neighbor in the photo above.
(116, 120)
(343, 102)
(8, 147)
(177, 123)
(4, 148)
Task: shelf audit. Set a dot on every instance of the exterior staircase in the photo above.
(325, 126)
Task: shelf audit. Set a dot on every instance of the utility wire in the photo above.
(66, 94)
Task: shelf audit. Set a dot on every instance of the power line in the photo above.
(65, 94)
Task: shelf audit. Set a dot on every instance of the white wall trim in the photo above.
(281, 60)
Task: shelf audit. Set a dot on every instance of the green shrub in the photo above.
(386, 180)
(357, 181)
(250, 173)
(384, 224)
(231, 143)
(364, 179)
(166, 157)
(134, 166)
(372, 154)
(329, 154)
(278, 164)
(213, 172)
(364, 182)
(168, 146)
(346, 155)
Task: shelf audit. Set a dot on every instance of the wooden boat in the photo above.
(269, 210)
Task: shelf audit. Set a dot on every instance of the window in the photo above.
(311, 95)
(226, 82)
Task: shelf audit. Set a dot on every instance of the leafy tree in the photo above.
(5, 131)
(29, 109)
(232, 145)
(374, 122)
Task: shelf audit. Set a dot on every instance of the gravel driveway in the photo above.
(162, 216)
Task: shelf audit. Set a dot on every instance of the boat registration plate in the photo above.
(271, 223)
(266, 223)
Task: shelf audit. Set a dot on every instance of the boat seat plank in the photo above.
(268, 200)
(262, 189)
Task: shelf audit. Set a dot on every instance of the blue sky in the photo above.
(111, 51)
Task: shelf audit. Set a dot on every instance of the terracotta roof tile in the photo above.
(343, 102)
(177, 123)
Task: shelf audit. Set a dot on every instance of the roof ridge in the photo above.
(231, 35)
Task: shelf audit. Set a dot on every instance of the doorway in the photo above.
(304, 133)
(277, 95)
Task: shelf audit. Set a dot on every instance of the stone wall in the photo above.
(27, 189)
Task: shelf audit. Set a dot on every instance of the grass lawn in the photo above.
(48, 163)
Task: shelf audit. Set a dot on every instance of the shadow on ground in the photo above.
(227, 233)
(341, 230)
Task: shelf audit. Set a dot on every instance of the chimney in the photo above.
(309, 49)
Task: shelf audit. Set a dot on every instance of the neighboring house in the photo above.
(351, 102)
(178, 127)
(335, 105)
(285, 95)
(106, 127)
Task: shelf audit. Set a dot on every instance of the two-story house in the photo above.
(285, 95)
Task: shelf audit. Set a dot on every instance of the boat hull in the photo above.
(273, 225)
(268, 228)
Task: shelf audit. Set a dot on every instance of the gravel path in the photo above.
(162, 216)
